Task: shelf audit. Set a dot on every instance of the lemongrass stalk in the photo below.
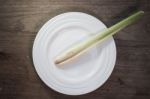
(99, 37)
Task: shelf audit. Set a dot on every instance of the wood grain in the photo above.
(20, 21)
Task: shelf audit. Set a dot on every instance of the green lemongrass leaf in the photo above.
(99, 37)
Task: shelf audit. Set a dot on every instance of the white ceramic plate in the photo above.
(83, 74)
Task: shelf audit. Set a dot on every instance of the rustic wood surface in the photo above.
(20, 21)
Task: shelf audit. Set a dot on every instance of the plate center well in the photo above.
(78, 68)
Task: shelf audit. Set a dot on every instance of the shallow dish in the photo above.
(82, 74)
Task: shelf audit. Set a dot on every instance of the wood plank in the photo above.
(20, 20)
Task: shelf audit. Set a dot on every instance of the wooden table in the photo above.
(20, 21)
